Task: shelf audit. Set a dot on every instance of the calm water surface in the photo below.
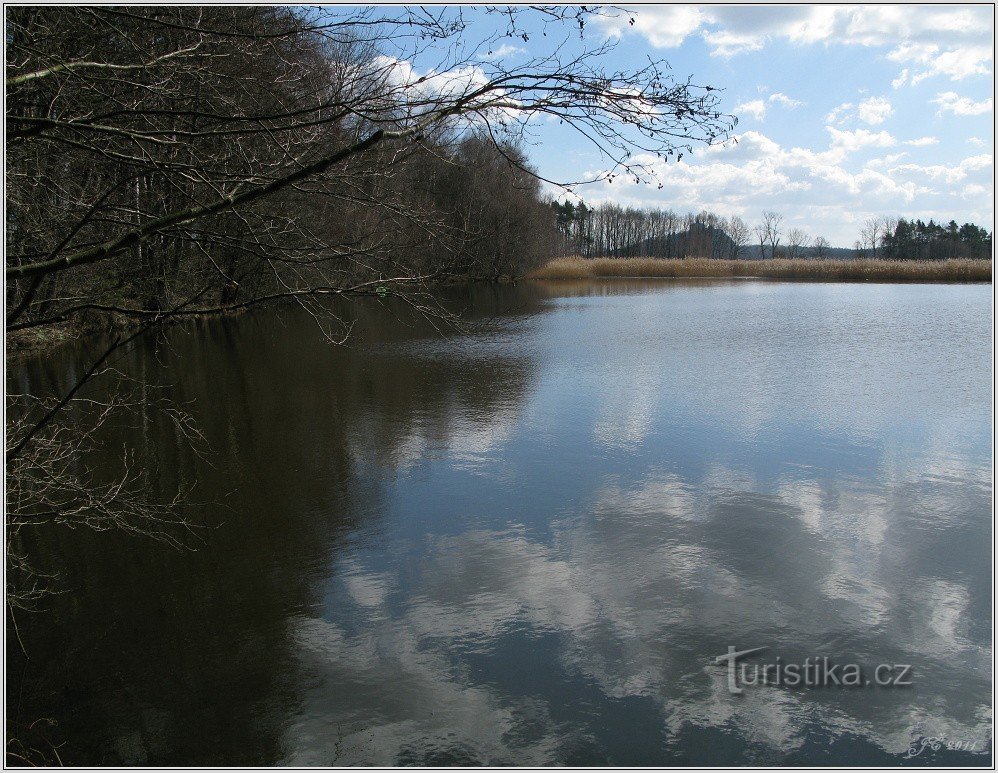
(526, 545)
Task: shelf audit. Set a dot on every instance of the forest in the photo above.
(202, 159)
(915, 240)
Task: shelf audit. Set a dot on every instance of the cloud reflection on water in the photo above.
(750, 465)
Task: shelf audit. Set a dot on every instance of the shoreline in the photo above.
(960, 271)
(24, 343)
(54, 335)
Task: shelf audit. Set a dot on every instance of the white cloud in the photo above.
(886, 161)
(755, 107)
(727, 44)
(503, 51)
(839, 114)
(872, 110)
(875, 110)
(951, 102)
(976, 142)
(823, 188)
(914, 52)
(418, 92)
(947, 174)
(964, 62)
(408, 84)
(922, 142)
(743, 27)
(950, 41)
(784, 100)
(957, 63)
(665, 27)
(974, 191)
(851, 141)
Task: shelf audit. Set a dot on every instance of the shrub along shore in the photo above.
(859, 270)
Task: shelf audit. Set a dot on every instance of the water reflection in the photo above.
(525, 545)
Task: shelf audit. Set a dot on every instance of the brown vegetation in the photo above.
(820, 270)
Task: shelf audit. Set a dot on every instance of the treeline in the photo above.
(609, 230)
(915, 240)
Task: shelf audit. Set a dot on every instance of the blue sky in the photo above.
(844, 112)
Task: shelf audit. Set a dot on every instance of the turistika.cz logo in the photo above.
(816, 671)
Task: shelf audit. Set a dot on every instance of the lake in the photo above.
(526, 545)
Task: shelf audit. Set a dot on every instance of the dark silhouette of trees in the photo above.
(610, 230)
(820, 247)
(739, 233)
(796, 243)
(916, 240)
(194, 160)
(769, 232)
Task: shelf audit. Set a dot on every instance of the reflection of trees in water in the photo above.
(164, 656)
(609, 286)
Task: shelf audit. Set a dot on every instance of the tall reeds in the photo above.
(827, 269)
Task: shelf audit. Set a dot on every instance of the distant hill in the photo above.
(710, 242)
(753, 252)
(696, 243)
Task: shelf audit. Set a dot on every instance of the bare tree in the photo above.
(49, 485)
(760, 234)
(820, 246)
(769, 232)
(738, 231)
(873, 231)
(189, 169)
(189, 156)
(796, 242)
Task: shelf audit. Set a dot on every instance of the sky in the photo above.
(844, 113)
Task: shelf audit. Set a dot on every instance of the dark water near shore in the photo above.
(526, 545)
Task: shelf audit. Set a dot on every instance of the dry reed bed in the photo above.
(831, 270)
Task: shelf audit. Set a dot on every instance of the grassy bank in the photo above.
(826, 270)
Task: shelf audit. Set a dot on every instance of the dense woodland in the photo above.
(915, 240)
(200, 158)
